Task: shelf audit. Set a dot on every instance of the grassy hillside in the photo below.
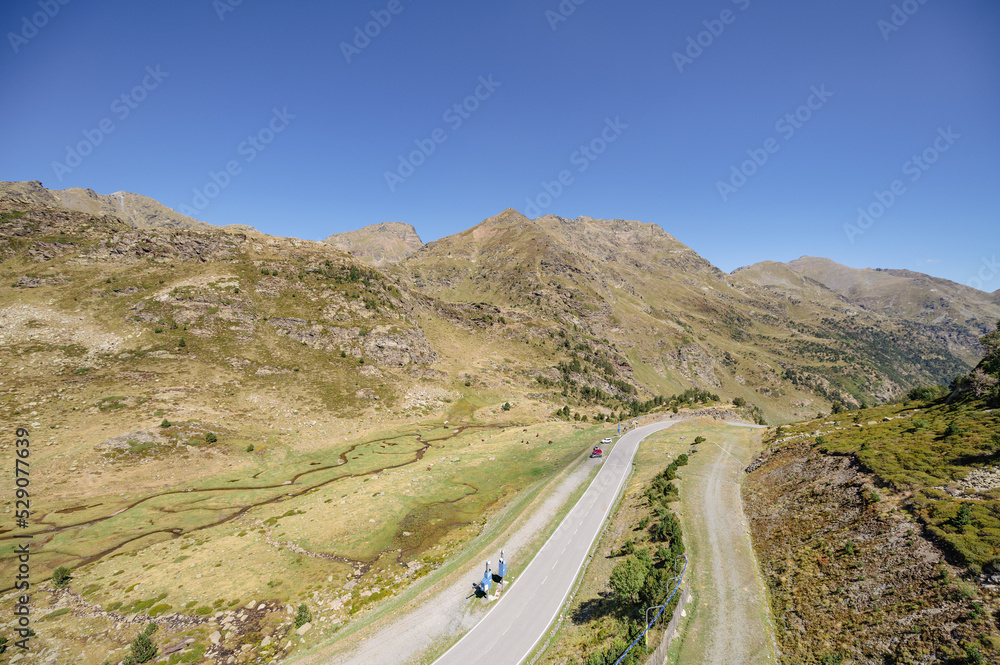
(882, 524)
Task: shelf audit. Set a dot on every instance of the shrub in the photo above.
(506, 406)
(181, 344)
(973, 656)
(699, 439)
(963, 517)
(211, 437)
(166, 423)
(61, 577)
(923, 393)
(250, 448)
(628, 578)
(303, 616)
(143, 649)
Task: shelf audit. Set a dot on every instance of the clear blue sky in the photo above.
(607, 68)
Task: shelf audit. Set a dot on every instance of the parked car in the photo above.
(606, 440)
(597, 452)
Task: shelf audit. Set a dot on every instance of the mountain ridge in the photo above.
(137, 210)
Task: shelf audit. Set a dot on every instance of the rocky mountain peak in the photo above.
(379, 244)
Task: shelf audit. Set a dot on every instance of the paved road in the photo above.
(527, 607)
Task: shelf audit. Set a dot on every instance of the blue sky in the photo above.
(673, 113)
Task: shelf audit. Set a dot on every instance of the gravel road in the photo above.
(729, 622)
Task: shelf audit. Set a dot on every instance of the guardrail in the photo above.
(677, 586)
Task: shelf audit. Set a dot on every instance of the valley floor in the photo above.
(450, 606)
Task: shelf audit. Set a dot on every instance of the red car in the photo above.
(597, 452)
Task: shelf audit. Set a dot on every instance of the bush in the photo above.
(211, 437)
(699, 439)
(166, 423)
(303, 616)
(181, 344)
(628, 578)
(250, 448)
(923, 393)
(973, 656)
(61, 577)
(143, 649)
(506, 406)
(963, 517)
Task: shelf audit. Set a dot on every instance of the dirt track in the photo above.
(729, 622)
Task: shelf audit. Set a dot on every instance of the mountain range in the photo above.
(605, 311)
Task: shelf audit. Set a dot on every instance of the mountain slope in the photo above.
(138, 211)
(904, 293)
(632, 294)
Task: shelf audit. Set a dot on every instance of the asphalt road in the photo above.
(528, 606)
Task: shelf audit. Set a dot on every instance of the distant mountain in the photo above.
(379, 244)
(949, 313)
(900, 292)
(631, 294)
(138, 211)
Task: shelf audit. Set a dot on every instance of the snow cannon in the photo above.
(487, 582)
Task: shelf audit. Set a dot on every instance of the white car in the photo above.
(607, 440)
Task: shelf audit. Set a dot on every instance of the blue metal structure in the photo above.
(487, 582)
(502, 570)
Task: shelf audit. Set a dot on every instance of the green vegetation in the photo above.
(644, 577)
(143, 649)
(61, 577)
(302, 616)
